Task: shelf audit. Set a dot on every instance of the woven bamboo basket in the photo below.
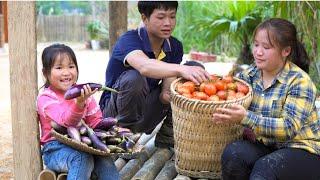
(85, 148)
(198, 142)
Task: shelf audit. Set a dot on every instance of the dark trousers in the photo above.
(135, 106)
(242, 160)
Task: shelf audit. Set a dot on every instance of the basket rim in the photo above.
(175, 93)
(85, 148)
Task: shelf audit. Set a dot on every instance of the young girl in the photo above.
(282, 115)
(60, 69)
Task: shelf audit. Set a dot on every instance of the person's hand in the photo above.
(194, 73)
(234, 113)
(86, 92)
(164, 97)
(249, 135)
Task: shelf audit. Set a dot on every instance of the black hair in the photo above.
(194, 63)
(283, 33)
(147, 7)
(49, 56)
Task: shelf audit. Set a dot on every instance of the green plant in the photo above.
(96, 30)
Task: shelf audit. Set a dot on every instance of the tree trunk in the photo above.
(118, 11)
(245, 56)
(24, 89)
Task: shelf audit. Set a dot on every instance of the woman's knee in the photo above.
(265, 168)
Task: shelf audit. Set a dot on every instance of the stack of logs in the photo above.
(151, 164)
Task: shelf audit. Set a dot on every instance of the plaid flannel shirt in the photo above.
(284, 114)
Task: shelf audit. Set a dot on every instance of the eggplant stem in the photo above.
(105, 88)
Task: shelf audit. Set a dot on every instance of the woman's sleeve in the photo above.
(296, 110)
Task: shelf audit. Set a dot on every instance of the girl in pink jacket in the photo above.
(60, 70)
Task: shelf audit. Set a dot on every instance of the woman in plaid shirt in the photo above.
(282, 135)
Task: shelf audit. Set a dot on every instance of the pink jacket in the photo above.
(51, 105)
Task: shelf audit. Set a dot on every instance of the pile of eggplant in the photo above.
(107, 136)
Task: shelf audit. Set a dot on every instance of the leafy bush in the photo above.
(96, 30)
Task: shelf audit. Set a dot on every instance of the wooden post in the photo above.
(118, 15)
(5, 19)
(23, 80)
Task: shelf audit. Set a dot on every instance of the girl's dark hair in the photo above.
(284, 34)
(49, 56)
(147, 7)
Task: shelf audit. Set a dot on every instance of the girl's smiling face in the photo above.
(63, 73)
(267, 55)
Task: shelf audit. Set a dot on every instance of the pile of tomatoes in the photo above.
(216, 89)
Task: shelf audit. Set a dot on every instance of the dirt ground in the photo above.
(92, 66)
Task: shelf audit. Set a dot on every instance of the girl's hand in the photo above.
(234, 113)
(86, 92)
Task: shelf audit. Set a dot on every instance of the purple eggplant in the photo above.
(101, 135)
(83, 130)
(74, 133)
(96, 142)
(125, 134)
(60, 129)
(107, 123)
(75, 90)
(113, 141)
(116, 149)
(130, 143)
(86, 140)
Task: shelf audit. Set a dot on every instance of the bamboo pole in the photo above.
(23, 84)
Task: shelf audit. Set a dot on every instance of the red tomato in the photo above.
(187, 95)
(242, 88)
(239, 95)
(202, 86)
(214, 77)
(189, 85)
(227, 79)
(231, 93)
(222, 95)
(200, 95)
(183, 90)
(213, 98)
(210, 89)
(231, 97)
(232, 86)
(220, 85)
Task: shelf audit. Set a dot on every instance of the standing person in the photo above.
(284, 142)
(143, 64)
(60, 69)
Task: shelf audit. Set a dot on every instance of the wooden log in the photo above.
(153, 166)
(120, 162)
(168, 172)
(24, 89)
(181, 177)
(133, 165)
(47, 174)
(62, 176)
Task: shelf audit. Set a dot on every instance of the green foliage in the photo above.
(49, 7)
(63, 7)
(216, 21)
(96, 30)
